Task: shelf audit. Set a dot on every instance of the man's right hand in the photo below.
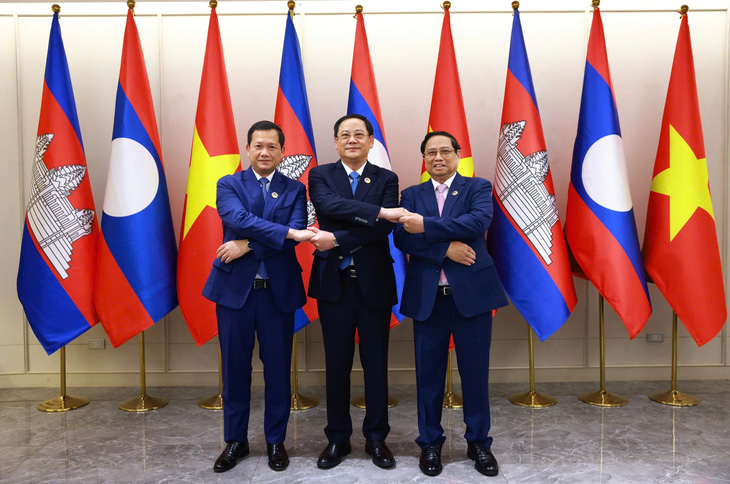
(461, 253)
(300, 235)
(392, 214)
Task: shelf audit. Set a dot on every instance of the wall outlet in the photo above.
(655, 337)
(96, 344)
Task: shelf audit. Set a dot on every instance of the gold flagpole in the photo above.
(674, 397)
(451, 399)
(532, 398)
(62, 403)
(216, 401)
(144, 402)
(602, 398)
(298, 401)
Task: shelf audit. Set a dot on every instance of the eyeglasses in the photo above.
(346, 135)
(445, 153)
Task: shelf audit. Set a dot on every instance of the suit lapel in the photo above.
(366, 181)
(429, 199)
(453, 194)
(254, 191)
(341, 180)
(276, 190)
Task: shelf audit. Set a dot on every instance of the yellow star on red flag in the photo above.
(205, 171)
(685, 182)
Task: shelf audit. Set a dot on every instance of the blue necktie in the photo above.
(264, 182)
(353, 184)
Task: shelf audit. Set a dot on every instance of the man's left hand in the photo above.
(322, 240)
(413, 223)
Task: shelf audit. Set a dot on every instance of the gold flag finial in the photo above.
(446, 5)
(56, 8)
(213, 4)
(291, 4)
(683, 10)
(131, 4)
(595, 3)
(515, 5)
(358, 9)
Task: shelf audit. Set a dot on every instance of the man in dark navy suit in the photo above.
(451, 287)
(353, 282)
(256, 283)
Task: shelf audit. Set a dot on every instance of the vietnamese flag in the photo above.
(214, 155)
(680, 252)
(447, 104)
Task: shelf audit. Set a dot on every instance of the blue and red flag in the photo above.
(292, 114)
(135, 279)
(599, 224)
(58, 251)
(525, 238)
(363, 100)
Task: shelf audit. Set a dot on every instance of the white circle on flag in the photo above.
(379, 156)
(132, 182)
(604, 174)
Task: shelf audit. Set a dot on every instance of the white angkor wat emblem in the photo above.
(53, 221)
(519, 185)
(294, 167)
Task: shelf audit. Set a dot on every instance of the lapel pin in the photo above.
(455, 193)
(367, 180)
(274, 195)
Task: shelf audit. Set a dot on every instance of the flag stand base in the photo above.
(602, 398)
(532, 399)
(302, 402)
(62, 403)
(453, 400)
(676, 398)
(359, 402)
(212, 403)
(142, 403)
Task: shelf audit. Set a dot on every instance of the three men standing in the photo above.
(451, 288)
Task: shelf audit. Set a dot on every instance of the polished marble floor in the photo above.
(570, 442)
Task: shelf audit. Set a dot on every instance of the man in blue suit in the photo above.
(451, 287)
(354, 284)
(256, 283)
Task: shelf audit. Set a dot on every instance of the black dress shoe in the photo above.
(230, 455)
(382, 456)
(333, 454)
(278, 458)
(430, 461)
(484, 460)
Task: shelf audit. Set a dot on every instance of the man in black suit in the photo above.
(353, 282)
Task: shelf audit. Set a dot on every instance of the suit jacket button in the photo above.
(341, 257)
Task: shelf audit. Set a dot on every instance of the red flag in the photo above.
(680, 243)
(214, 154)
(447, 104)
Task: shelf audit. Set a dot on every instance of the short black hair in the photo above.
(265, 126)
(454, 143)
(368, 124)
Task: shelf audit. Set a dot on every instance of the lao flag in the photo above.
(680, 242)
(135, 280)
(292, 114)
(58, 251)
(525, 238)
(363, 100)
(213, 155)
(599, 224)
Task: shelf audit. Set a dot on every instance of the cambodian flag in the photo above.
(525, 238)
(58, 251)
(135, 279)
(292, 114)
(364, 100)
(599, 224)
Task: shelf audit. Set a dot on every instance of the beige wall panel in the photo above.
(124, 359)
(188, 357)
(11, 217)
(622, 352)
(550, 353)
(177, 330)
(12, 359)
